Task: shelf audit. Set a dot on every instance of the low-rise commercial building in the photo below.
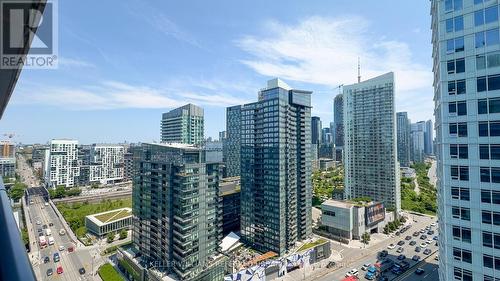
(110, 221)
(349, 220)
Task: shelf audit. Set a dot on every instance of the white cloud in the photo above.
(117, 95)
(325, 51)
(70, 62)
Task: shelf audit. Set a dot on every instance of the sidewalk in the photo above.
(34, 254)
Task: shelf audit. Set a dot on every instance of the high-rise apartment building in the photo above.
(403, 138)
(316, 130)
(61, 163)
(232, 145)
(276, 168)
(183, 125)
(466, 60)
(417, 139)
(338, 120)
(371, 166)
(176, 211)
(429, 138)
(107, 163)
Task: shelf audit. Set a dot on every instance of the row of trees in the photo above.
(393, 225)
(17, 190)
(426, 200)
(61, 191)
(111, 236)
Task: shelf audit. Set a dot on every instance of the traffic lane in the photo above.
(338, 272)
(430, 270)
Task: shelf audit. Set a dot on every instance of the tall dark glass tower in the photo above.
(276, 168)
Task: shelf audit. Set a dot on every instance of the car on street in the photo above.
(46, 260)
(397, 233)
(383, 253)
(401, 243)
(427, 252)
(423, 237)
(413, 243)
(391, 246)
(401, 257)
(38, 222)
(422, 231)
(49, 272)
(44, 226)
(435, 238)
(415, 233)
(408, 238)
(400, 250)
(51, 224)
(418, 249)
(416, 258)
(352, 272)
(40, 234)
(366, 266)
(430, 232)
(39, 230)
(59, 270)
(46, 204)
(429, 241)
(61, 248)
(383, 278)
(82, 270)
(62, 232)
(433, 224)
(329, 265)
(71, 249)
(56, 257)
(419, 271)
(423, 245)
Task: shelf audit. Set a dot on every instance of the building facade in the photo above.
(183, 125)
(371, 166)
(316, 130)
(213, 150)
(176, 211)
(429, 138)
(111, 221)
(232, 145)
(338, 119)
(466, 46)
(107, 163)
(230, 192)
(403, 137)
(276, 188)
(61, 164)
(7, 159)
(417, 137)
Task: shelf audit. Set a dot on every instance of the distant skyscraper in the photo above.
(338, 120)
(429, 136)
(232, 145)
(417, 139)
(371, 167)
(61, 164)
(403, 137)
(222, 135)
(183, 125)
(326, 136)
(176, 211)
(213, 151)
(276, 168)
(316, 130)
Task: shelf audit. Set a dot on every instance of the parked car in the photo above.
(366, 266)
(416, 258)
(56, 257)
(49, 272)
(401, 243)
(352, 272)
(51, 224)
(413, 243)
(44, 226)
(397, 233)
(383, 253)
(415, 233)
(391, 246)
(435, 238)
(61, 248)
(418, 249)
(423, 237)
(400, 250)
(423, 245)
(429, 241)
(408, 238)
(59, 270)
(46, 260)
(82, 271)
(401, 257)
(427, 252)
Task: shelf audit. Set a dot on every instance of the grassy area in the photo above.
(108, 273)
(111, 216)
(426, 201)
(75, 213)
(311, 244)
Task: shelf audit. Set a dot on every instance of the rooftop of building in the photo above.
(338, 204)
(177, 145)
(110, 216)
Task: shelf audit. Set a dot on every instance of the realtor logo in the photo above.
(25, 22)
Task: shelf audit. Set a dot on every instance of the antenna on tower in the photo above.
(359, 71)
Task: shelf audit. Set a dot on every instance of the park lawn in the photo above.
(74, 213)
(112, 216)
(311, 245)
(108, 273)
(426, 201)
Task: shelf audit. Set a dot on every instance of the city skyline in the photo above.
(96, 83)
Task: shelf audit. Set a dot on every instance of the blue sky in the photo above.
(123, 63)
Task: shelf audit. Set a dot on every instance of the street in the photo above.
(355, 257)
